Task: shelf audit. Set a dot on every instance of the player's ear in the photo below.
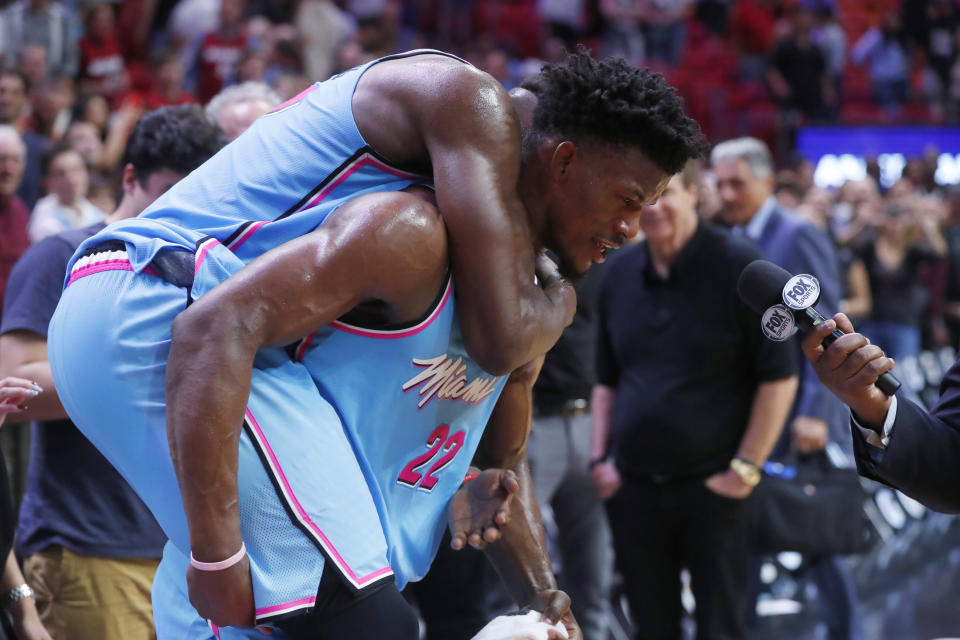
(129, 179)
(565, 157)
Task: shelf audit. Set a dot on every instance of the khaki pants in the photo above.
(87, 598)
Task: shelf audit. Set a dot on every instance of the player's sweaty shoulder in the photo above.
(400, 104)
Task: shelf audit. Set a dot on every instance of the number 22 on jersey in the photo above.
(439, 440)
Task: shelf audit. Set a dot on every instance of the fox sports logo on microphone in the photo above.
(778, 323)
(801, 291)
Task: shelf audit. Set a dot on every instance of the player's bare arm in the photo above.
(388, 247)
(520, 553)
(463, 121)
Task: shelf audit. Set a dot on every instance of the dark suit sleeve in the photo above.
(813, 253)
(923, 457)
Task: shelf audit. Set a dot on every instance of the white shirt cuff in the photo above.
(880, 441)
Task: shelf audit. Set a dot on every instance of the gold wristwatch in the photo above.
(748, 472)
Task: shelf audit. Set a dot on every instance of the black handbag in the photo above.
(808, 505)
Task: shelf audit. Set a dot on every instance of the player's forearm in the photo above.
(601, 410)
(506, 319)
(208, 382)
(771, 405)
(520, 556)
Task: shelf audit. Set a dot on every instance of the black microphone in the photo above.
(786, 302)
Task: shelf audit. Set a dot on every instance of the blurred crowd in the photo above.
(899, 248)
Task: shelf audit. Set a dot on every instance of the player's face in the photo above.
(601, 192)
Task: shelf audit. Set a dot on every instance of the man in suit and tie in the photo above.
(745, 183)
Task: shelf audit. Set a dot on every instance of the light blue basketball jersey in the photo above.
(414, 406)
(277, 181)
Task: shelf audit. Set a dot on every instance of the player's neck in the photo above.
(533, 187)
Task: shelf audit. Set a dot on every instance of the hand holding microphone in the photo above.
(853, 369)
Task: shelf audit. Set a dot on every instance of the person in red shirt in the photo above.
(101, 61)
(221, 50)
(14, 216)
(167, 86)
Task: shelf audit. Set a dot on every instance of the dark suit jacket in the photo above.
(923, 457)
(799, 247)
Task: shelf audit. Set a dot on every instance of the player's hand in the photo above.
(556, 287)
(809, 434)
(223, 597)
(607, 479)
(849, 368)
(728, 484)
(555, 605)
(480, 507)
(14, 392)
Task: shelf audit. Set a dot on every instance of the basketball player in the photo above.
(321, 403)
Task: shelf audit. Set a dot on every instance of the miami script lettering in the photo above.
(445, 379)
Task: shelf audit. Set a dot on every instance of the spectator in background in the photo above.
(752, 33)
(679, 438)
(563, 19)
(832, 40)
(84, 138)
(322, 28)
(32, 61)
(798, 76)
(221, 50)
(167, 87)
(67, 179)
(940, 43)
(14, 88)
(623, 29)
(907, 237)
(884, 51)
(50, 102)
(665, 30)
(235, 108)
(101, 61)
(91, 546)
(44, 23)
(14, 216)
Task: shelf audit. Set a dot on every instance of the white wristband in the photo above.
(219, 566)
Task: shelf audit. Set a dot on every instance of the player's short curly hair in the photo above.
(179, 138)
(609, 101)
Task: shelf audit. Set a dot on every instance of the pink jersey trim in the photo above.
(304, 517)
(293, 605)
(202, 253)
(364, 160)
(304, 345)
(233, 246)
(349, 170)
(292, 101)
(214, 628)
(402, 333)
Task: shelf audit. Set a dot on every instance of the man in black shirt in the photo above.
(691, 399)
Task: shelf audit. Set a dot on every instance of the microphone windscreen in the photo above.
(761, 285)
